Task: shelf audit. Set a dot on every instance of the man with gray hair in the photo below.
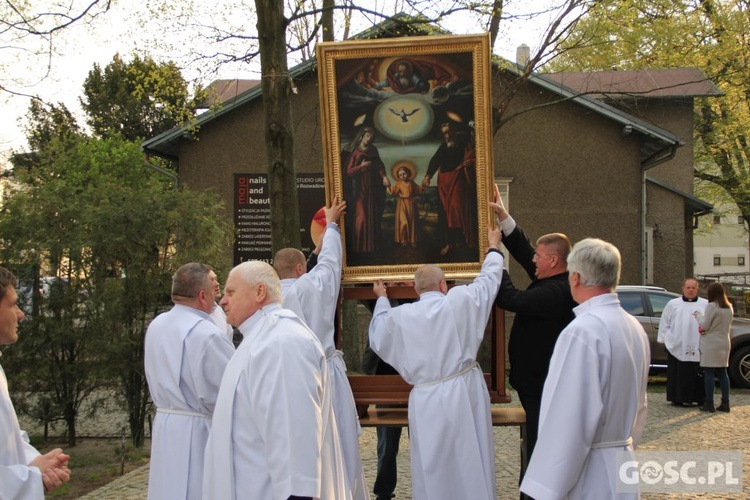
(594, 398)
(185, 357)
(274, 435)
(433, 344)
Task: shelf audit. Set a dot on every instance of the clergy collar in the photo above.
(596, 301)
(685, 299)
(256, 318)
(432, 294)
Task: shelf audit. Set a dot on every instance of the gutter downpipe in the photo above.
(649, 163)
(163, 171)
(643, 227)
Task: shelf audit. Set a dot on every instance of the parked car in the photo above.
(647, 303)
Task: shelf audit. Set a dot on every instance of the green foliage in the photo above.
(113, 231)
(708, 34)
(137, 99)
(51, 122)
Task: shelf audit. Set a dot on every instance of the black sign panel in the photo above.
(252, 214)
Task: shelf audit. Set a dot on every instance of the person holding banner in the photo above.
(449, 406)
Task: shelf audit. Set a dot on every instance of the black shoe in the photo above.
(708, 406)
(724, 406)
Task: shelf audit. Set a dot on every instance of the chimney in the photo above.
(523, 54)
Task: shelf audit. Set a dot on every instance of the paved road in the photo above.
(668, 428)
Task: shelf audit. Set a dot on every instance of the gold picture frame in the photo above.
(407, 143)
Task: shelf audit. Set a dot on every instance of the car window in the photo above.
(658, 302)
(631, 302)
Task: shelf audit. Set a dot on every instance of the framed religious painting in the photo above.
(407, 142)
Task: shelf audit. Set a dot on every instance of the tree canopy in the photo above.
(138, 99)
(87, 215)
(709, 34)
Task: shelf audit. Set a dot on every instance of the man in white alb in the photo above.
(313, 296)
(433, 344)
(185, 357)
(24, 473)
(274, 435)
(218, 316)
(594, 397)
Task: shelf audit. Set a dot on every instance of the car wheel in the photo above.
(739, 367)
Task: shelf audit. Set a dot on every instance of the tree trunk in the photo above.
(351, 343)
(497, 12)
(136, 395)
(326, 20)
(134, 384)
(276, 85)
(137, 416)
(70, 421)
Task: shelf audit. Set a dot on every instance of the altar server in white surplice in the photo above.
(24, 473)
(313, 296)
(274, 434)
(185, 357)
(678, 331)
(433, 344)
(594, 397)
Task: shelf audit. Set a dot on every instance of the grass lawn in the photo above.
(94, 462)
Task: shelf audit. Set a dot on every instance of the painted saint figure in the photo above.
(413, 76)
(455, 161)
(365, 188)
(407, 223)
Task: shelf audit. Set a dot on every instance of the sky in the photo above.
(80, 46)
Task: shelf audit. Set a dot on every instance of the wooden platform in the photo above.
(392, 390)
(398, 417)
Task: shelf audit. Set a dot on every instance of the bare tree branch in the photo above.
(59, 20)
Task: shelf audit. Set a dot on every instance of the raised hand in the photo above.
(335, 211)
(379, 288)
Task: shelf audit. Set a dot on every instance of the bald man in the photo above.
(433, 344)
(313, 296)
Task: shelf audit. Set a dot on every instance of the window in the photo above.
(740, 260)
(717, 260)
(631, 302)
(740, 220)
(503, 185)
(717, 219)
(658, 302)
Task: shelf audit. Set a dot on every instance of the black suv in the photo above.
(647, 303)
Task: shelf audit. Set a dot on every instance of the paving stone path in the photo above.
(668, 428)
